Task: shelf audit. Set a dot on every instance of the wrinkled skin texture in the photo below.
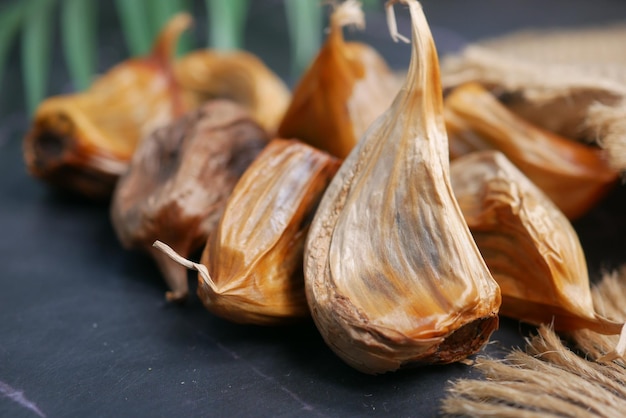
(255, 256)
(179, 181)
(529, 245)
(393, 276)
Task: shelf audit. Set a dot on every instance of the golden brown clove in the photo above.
(179, 180)
(345, 89)
(236, 75)
(83, 142)
(393, 276)
(251, 267)
(575, 176)
(528, 244)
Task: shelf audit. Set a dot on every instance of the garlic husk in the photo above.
(235, 75)
(84, 141)
(574, 175)
(392, 273)
(179, 180)
(255, 255)
(529, 245)
(345, 89)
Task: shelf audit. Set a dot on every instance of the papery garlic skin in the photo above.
(574, 175)
(179, 180)
(235, 75)
(529, 245)
(345, 89)
(84, 141)
(393, 276)
(254, 258)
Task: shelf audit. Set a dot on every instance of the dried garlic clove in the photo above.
(255, 255)
(575, 176)
(392, 273)
(346, 88)
(83, 142)
(239, 76)
(529, 245)
(179, 180)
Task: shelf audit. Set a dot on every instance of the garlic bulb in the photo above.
(179, 180)
(529, 245)
(235, 75)
(345, 89)
(84, 141)
(574, 175)
(392, 273)
(251, 266)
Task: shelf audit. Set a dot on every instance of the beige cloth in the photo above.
(569, 81)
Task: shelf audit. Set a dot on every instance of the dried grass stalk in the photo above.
(547, 379)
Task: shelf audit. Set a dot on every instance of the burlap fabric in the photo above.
(572, 82)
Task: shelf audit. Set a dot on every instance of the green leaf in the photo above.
(226, 23)
(11, 17)
(372, 4)
(304, 22)
(162, 11)
(78, 28)
(135, 25)
(36, 45)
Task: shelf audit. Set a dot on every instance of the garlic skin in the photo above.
(529, 245)
(392, 274)
(179, 180)
(254, 258)
(345, 89)
(235, 75)
(83, 142)
(574, 175)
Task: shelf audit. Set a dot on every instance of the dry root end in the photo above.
(200, 268)
(392, 24)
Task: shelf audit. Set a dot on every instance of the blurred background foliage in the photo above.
(33, 26)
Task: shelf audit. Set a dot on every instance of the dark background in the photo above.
(85, 331)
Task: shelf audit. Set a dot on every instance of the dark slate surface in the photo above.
(85, 331)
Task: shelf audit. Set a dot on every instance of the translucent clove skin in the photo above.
(345, 89)
(255, 256)
(236, 75)
(529, 245)
(83, 142)
(575, 176)
(179, 180)
(392, 274)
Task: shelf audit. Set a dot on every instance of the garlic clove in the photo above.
(83, 142)
(575, 176)
(392, 274)
(251, 267)
(178, 182)
(529, 245)
(347, 86)
(255, 255)
(236, 75)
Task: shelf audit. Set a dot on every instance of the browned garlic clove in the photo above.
(251, 267)
(83, 142)
(392, 273)
(236, 75)
(179, 180)
(529, 245)
(347, 86)
(575, 176)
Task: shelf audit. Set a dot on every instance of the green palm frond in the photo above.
(35, 22)
(78, 28)
(226, 23)
(36, 46)
(304, 22)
